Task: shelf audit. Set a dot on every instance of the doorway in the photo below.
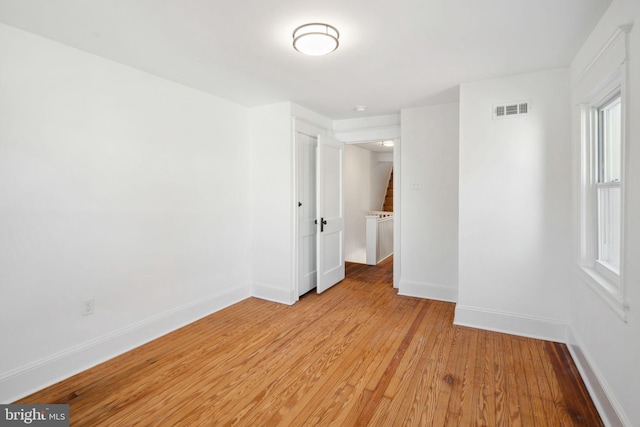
(369, 192)
(305, 138)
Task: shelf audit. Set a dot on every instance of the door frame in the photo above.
(368, 133)
(298, 125)
(310, 200)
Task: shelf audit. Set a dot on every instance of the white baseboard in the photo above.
(273, 293)
(40, 374)
(428, 290)
(511, 323)
(611, 412)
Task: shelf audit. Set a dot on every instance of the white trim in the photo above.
(367, 129)
(273, 293)
(299, 124)
(609, 47)
(608, 271)
(368, 134)
(609, 408)
(397, 210)
(345, 125)
(433, 291)
(511, 323)
(295, 232)
(312, 129)
(626, 140)
(42, 373)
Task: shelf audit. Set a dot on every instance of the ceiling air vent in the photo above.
(511, 109)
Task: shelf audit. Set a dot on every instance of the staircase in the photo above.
(388, 198)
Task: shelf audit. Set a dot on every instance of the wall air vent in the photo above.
(511, 109)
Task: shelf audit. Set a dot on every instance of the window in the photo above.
(607, 188)
(602, 213)
(601, 92)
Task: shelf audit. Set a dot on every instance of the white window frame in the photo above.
(611, 272)
(602, 80)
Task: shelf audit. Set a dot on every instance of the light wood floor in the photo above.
(356, 355)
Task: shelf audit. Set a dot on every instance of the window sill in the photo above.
(606, 289)
(609, 274)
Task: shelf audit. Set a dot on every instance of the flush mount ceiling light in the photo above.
(315, 39)
(360, 108)
(387, 143)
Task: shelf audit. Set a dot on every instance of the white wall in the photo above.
(515, 197)
(607, 348)
(271, 200)
(429, 214)
(357, 201)
(114, 185)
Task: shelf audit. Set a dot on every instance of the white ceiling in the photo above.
(392, 54)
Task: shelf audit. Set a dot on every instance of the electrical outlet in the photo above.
(88, 307)
(416, 186)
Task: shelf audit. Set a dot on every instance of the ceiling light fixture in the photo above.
(315, 39)
(387, 143)
(360, 108)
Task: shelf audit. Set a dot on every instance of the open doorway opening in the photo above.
(369, 199)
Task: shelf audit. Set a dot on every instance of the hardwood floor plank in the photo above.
(526, 388)
(275, 367)
(315, 376)
(546, 390)
(539, 414)
(415, 376)
(369, 355)
(458, 379)
(512, 408)
(434, 378)
(468, 397)
(497, 381)
(357, 354)
(380, 389)
(486, 403)
(572, 398)
(550, 391)
(448, 378)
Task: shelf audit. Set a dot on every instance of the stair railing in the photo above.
(379, 235)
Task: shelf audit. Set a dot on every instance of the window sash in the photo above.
(609, 140)
(608, 223)
(608, 213)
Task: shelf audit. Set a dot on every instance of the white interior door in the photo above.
(306, 147)
(330, 216)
